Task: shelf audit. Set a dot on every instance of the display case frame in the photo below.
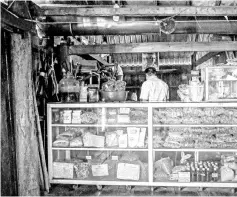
(150, 150)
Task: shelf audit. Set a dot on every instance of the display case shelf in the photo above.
(195, 125)
(143, 156)
(100, 149)
(196, 149)
(76, 125)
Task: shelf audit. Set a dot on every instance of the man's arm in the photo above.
(144, 92)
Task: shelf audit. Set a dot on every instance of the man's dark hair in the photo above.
(150, 70)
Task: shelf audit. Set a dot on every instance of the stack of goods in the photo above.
(76, 116)
(139, 115)
(163, 169)
(127, 115)
(134, 138)
(195, 137)
(79, 137)
(113, 85)
(130, 167)
(193, 115)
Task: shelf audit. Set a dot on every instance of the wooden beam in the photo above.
(9, 19)
(206, 57)
(141, 11)
(152, 47)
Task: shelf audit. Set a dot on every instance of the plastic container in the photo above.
(69, 89)
(113, 96)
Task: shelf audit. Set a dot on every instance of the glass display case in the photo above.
(221, 83)
(148, 144)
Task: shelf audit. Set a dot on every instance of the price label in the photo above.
(88, 157)
(184, 177)
(115, 158)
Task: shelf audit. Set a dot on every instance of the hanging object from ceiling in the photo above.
(167, 25)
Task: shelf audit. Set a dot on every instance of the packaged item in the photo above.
(56, 115)
(123, 141)
(93, 95)
(91, 140)
(160, 175)
(82, 170)
(227, 174)
(83, 94)
(123, 118)
(165, 164)
(100, 170)
(129, 156)
(184, 177)
(127, 171)
(67, 116)
(76, 142)
(67, 135)
(124, 110)
(111, 139)
(133, 136)
(112, 111)
(144, 171)
(89, 118)
(142, 136)
(76, 116)
(61, 143)
(63, 170)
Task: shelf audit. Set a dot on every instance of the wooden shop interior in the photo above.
(46, 44)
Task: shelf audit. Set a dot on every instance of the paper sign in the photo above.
(184, 177)
(88, 157)
(115, 158)
(63, 170)
(128, 171)
(100, 170)
(123, 110)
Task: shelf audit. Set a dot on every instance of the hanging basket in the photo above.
(167, 26)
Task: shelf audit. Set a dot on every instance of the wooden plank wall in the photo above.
(27, 153)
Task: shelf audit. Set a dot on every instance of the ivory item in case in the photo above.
(63, 170)
(128, 171)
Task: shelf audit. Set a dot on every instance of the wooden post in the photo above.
(24, 118)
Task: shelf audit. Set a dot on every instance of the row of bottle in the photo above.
(207, 171)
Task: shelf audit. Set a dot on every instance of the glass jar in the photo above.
(69, 88)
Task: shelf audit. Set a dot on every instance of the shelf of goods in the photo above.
(148, 144)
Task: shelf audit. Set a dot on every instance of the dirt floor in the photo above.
(85, 190)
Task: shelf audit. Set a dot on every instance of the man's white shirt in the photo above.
(154, 89)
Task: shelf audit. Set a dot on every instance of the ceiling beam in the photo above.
(206, 57)
(10, 19)
(141, 11)
(152, 47)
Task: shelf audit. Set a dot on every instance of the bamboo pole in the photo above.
(40, 141)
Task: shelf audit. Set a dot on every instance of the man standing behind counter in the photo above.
(153, 89)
